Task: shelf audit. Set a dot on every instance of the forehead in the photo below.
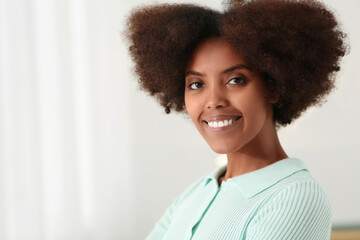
(215, 54)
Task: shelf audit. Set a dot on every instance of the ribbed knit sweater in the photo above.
(279, 201)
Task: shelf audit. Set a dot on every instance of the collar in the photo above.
(252, 183)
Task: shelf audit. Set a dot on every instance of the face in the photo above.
(225, 98)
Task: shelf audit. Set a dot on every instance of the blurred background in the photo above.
(84, 154)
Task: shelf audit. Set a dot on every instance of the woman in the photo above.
(241, 74)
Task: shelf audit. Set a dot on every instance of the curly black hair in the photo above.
(297, 45)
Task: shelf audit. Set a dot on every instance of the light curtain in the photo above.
(64, 171)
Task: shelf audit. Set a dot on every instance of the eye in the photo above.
(196, 85)
(237, 80)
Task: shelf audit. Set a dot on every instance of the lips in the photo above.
(221, 122)
(222, 118)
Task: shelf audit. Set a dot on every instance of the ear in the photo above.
(274, 99)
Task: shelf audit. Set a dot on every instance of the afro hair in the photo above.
(297, 45)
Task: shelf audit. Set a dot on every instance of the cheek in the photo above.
(194, 108)
(191, 105)
(253, 106)
(258, 112)
(187, 103)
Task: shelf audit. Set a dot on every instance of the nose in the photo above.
(216, 98)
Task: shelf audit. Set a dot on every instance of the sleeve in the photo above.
(300, 211)
(163, 224)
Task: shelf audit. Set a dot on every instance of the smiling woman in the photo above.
(234, 118)
(240, 75)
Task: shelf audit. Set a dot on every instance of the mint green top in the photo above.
(279, 201)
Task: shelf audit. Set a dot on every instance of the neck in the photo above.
(262, 151)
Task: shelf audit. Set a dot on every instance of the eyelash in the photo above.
(237, 78)
(191, 84)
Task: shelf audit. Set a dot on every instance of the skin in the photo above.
(221, 84)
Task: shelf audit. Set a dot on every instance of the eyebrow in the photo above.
(230, 69)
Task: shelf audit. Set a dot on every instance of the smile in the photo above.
(222, 124)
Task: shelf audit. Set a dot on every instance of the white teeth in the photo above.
(219, 124)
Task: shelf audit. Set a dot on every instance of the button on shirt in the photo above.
(279, 201)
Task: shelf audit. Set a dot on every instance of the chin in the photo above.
(222, 149)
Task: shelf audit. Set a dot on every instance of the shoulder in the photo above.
(301, 193)
(300, 208)
(302, 188)
(306, 194)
